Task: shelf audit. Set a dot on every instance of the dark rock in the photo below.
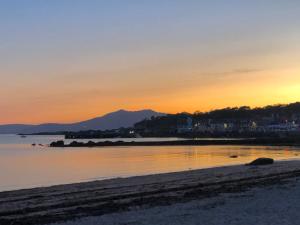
(91, 144)
(75, 144)
(57, 144)
(33, 144)
(233, 156)
(261, 161)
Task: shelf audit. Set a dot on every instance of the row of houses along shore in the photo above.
(188, 124)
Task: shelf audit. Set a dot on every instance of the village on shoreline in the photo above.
(279, 121)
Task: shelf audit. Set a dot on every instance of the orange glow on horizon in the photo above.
(63, 109)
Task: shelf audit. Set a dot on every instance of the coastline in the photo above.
(66, 202)
(191, 142)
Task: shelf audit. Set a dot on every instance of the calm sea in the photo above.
(25, 166)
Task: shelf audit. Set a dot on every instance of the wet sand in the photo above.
(119, 196)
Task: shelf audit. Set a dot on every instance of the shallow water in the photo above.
(25, 166)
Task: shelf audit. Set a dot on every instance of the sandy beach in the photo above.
(276, 205)
(138, 199)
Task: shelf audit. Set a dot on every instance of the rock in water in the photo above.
(57, 144)
(261, 162)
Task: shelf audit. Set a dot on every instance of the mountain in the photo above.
(114, 120)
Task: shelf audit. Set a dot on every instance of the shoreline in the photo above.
(65, 202)
(241, 142)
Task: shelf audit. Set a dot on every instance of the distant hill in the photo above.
(114, 120)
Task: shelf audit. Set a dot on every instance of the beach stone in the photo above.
(57, 144)
(261, 162)
(75, 144)
(91, 144)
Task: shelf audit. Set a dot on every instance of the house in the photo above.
(185, 127)
(283, 127)
(201, 127)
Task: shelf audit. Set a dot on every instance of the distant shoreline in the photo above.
(66, 202)
(246, 141)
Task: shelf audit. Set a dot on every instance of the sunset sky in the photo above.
(70, 60)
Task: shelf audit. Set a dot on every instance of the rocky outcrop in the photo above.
(261, 162)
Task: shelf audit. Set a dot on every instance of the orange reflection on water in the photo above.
(45, 166)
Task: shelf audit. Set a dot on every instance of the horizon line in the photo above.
(147, 109)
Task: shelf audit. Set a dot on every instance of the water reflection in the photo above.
(24, 166)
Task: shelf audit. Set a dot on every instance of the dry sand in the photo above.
(276, 205)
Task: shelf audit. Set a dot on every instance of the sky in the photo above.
(70, 60)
